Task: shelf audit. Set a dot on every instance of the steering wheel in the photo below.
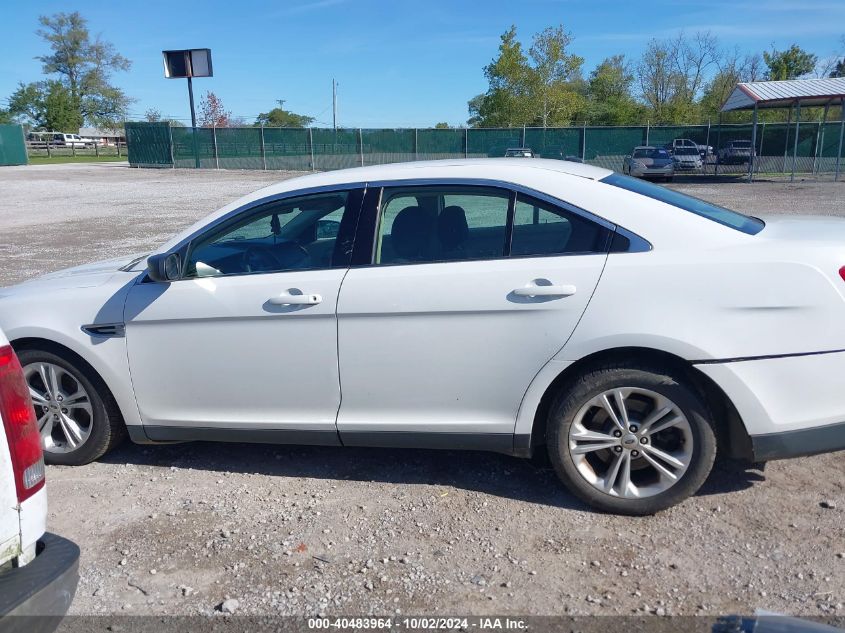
(259, 259)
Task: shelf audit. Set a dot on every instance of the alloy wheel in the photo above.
(630, 442)
(62, 407)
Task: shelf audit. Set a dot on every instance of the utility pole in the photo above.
(281, 103)
(334, 104)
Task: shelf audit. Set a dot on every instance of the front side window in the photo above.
(540, 228)
(297, 234)
(428, 224)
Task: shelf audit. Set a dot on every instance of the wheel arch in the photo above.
(732, 436)
(47, 345)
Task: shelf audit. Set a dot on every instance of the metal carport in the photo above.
(756, 95)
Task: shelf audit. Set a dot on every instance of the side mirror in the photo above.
(327, 229)
(164, 267)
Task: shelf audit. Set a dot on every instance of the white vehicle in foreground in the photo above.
(38, 571)
(496, 304)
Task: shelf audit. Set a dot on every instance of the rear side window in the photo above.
(540, 228)
(441, 224)
(721, 215)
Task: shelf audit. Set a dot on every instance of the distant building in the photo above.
(104, 136)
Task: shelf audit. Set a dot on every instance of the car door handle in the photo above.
(534, 290)
(289, 299)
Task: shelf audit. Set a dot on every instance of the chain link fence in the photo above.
(319, 149)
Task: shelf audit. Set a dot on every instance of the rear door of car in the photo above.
(461, 296)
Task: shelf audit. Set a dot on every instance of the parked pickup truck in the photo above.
(736, 152)
(704, 151)
(38, 570)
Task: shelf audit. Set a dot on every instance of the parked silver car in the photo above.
(687, 159)
(647, 161)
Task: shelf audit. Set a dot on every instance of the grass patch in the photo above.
(53, 160)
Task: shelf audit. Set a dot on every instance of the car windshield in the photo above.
(686, 151)
(726, 217)
(650, 152)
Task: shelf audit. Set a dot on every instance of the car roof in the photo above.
(647, 147)
(466, 168)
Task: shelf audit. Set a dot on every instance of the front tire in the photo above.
(631, 440)
(77, 416)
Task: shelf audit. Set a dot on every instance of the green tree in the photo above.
(733, 69)
(47, 105)
(442, 126)
(551, 77)
(838, 69)
(506, 101)
(791, 63)
(84, 66)
(152, 115)
(540, 88)
(609, 94)
(6, 117)
(279, 117)
(672, 75)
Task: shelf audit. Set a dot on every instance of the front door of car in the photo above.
(471, 292)
(246, 341)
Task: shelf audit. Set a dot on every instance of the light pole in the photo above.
(189, 63)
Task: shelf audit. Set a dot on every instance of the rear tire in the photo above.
(631, 460)
(96, 415)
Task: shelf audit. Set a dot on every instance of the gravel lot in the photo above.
(298, 530)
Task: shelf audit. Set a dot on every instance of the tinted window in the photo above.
(735, 220)
(540, 228)
(298, 234)
(651, 153)
(441, 224)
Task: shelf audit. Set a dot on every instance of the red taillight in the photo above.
(842, 273)
(21, 429)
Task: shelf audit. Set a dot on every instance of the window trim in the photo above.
(372, 215)
(253, 204)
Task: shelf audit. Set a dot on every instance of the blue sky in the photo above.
(397, 63)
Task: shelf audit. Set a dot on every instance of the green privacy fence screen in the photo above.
(319, 149)
(12, 145)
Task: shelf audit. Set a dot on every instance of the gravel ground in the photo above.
(181, 529)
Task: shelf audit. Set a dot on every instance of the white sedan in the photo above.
(498, 304)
